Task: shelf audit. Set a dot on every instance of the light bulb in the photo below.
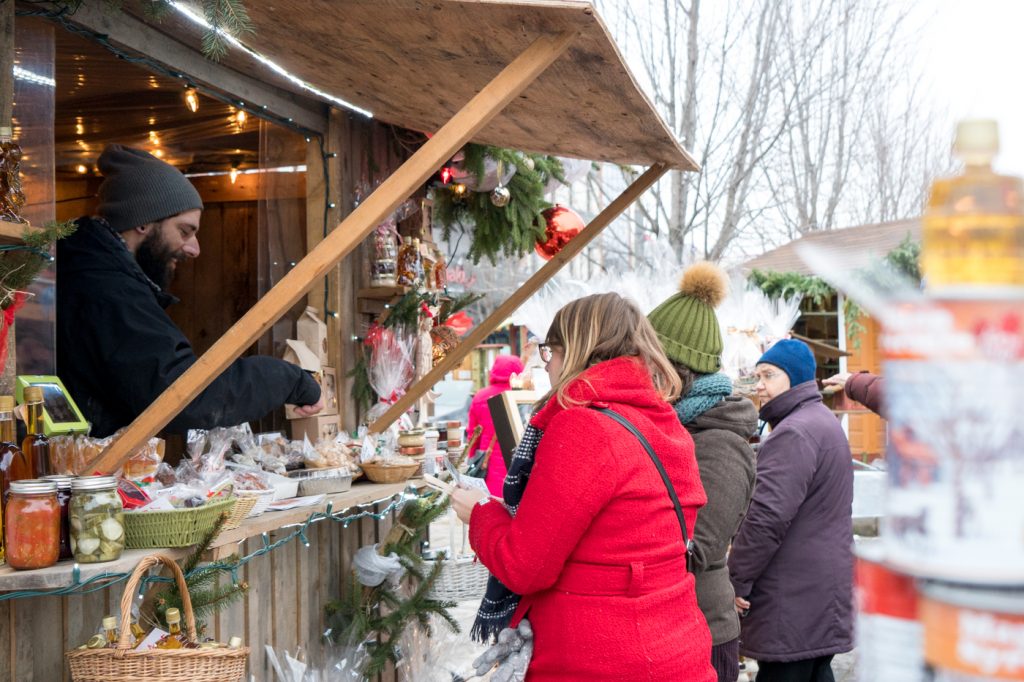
(81, 169)
(234, 174)
(192, 100)
(240, 118)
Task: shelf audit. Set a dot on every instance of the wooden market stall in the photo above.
(538, 76)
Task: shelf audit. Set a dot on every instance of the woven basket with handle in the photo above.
(124, 664)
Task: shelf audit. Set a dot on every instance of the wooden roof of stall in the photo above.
(414, 63)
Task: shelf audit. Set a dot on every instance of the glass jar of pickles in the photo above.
(32, 532)
(97, 519)
(64, 500)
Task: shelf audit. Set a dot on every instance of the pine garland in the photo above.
(208, 595)
(225, 18)
(510, 230)
(21, 264)
(362, 391)
(376, 617)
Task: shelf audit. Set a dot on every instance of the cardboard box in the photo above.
(297, 353)
(312, 331)
(317, 428)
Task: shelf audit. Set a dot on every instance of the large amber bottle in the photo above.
(973, 231)
(36, 445)
(14, 465)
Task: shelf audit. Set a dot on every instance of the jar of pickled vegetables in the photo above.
(32, 532)
(97, 519)
(64, 500)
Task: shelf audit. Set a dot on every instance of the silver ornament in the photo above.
(500, 196)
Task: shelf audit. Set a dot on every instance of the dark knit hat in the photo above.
(792, 357)
(686, 322)
(139, 188)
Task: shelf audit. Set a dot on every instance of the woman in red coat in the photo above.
(592, 549)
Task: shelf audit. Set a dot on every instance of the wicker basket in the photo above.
(389, 473)
(240, 511)
(123, 664)
(261, 500)
(175, 528)
(461, 578)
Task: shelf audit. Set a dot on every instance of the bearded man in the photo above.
(117, 349)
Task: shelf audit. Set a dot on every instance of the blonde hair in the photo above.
(604, 327)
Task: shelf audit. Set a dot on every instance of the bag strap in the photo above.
(628, 425)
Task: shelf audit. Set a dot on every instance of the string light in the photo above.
(192, 99)
(233, 174)
(81, 169)
(241, 118)
(104, 580)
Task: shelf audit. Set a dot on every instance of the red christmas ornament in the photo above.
(563, 224)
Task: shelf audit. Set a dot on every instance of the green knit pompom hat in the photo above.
(686, 322)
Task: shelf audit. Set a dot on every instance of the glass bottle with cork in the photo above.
(110, 633)
(36, 445)
(12, 198)
(973, 228)
(14, 464)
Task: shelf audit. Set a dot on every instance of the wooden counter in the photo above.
(284, 607)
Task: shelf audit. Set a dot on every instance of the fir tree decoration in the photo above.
(362, 392)
(376, 617)
(224, 17)
(20, 264)
(510, 229)
(204, 584)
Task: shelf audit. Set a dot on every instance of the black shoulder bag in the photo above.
(664, 477)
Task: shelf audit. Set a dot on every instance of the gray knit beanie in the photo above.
(139, 188)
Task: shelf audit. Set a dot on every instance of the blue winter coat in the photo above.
(792, 558)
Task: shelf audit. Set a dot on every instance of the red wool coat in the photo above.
(595, 549)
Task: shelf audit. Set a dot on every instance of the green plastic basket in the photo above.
(174, 528)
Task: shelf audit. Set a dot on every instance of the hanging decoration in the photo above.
(498, 227)
(370, 621)
(562, 225)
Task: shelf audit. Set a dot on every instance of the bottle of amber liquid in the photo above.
(36, 445)
(174, 638)
(410, 268)
(973, 228)
(110, 632)
(14, 465)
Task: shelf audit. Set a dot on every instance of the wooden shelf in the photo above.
(13, 233)
(225, 545)
(382, 293)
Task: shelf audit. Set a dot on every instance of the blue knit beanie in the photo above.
(792, 357)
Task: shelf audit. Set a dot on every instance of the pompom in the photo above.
(705, 282)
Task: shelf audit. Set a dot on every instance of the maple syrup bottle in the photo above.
(36, 445)
(14, 464)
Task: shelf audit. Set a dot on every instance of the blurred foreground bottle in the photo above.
(973, 234)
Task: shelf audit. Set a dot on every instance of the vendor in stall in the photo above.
(117, 349)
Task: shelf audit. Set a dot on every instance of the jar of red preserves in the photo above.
(32, 529)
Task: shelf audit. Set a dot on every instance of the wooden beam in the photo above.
(126, 31)
(495, 96)
(529, 288)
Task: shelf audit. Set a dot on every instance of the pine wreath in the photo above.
(510, 230)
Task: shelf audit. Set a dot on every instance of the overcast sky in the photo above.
(970, 51)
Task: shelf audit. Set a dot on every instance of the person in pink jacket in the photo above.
(479, 415)
(587, 541)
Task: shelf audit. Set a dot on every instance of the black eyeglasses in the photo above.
(545, 351)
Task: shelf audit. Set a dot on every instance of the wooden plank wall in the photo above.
(867, 431)
(288, 589)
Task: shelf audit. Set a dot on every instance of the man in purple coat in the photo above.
(791, 562)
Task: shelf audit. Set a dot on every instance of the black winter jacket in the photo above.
(117, 350)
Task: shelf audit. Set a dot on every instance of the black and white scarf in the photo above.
(499, 602)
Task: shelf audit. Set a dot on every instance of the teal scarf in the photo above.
(707, 391)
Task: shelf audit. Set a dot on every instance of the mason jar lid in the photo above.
(63, 481)
(33, 394)
(83, 483)
(33, 486)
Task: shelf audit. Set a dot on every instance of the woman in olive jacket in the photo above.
(721, 426)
